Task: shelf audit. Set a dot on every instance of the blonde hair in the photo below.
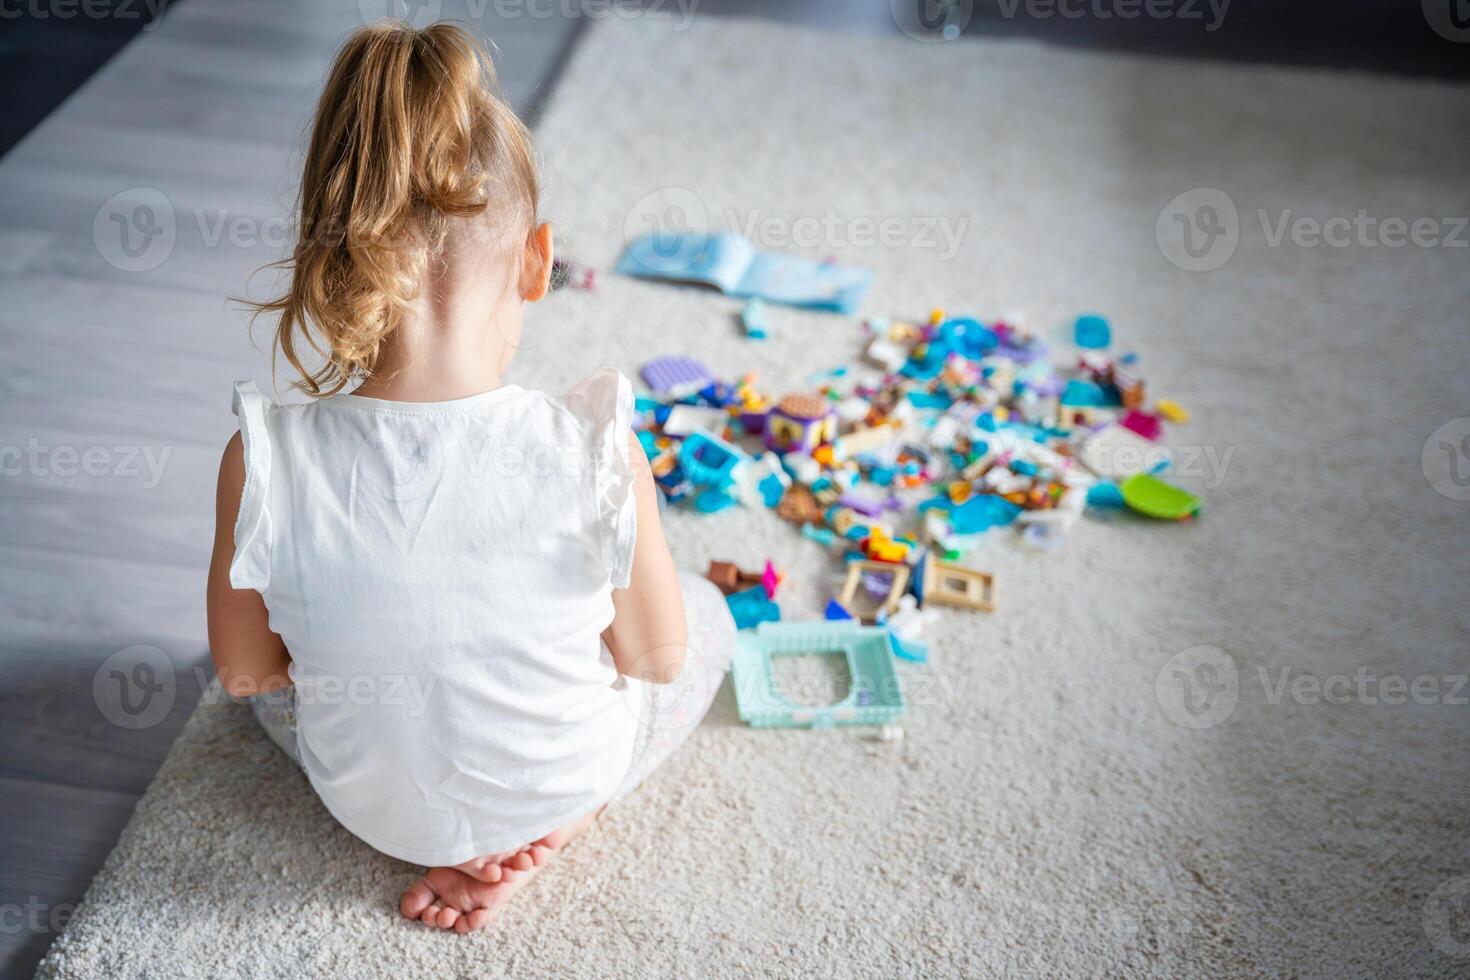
(410, 133)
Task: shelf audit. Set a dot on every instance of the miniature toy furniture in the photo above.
(800, 423)
(954, 585)
(875, 697)
(858, 596)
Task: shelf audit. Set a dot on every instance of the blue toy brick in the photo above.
(753, 317)
(821, 535)
(914, 651)
(875, 697)
(713, 500)
(752, 607)
(835, 611)
(1080, 393)
(1092, 331)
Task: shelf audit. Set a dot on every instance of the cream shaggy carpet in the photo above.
(1046, 814)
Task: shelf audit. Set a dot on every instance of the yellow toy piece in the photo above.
(1172, 411)
(880, 547)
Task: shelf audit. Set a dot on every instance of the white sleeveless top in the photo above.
(440, 573)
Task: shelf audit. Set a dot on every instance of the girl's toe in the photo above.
(418, 897)
(475, 920)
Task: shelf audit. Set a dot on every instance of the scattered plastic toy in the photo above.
(875, 698)
(753, 319)
(566, 274)
(902, 461)
(675, 376)
(1092, 331)
(752, 607)
(1154, 498)
(1171, 411)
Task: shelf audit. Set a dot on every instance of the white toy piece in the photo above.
(864, 440)
(684, 419)
(1118, 453)
(886, 354)
(803, 468)
(852, 410)
(750, 477)
(944, 432)
(1063, 516)
(910, 621)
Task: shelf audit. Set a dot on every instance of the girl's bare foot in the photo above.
(468, 897)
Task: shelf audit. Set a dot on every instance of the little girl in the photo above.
(450, 597)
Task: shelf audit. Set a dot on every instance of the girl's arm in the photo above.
(248, 657)
(647, 634)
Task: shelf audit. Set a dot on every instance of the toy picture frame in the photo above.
(855, 597)
(958, 587)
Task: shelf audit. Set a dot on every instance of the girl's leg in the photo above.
(671, 712)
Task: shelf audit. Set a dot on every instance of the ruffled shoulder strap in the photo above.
(251, 566)
(604, 404)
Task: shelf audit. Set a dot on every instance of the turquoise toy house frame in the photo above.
(875, 698)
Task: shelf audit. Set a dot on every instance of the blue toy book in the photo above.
(734, 266)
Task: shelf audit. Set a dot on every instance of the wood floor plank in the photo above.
(52, 840)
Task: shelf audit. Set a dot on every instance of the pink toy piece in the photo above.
(770, 580)
(1142, 423)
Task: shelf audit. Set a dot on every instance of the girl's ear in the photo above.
(536, 264)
